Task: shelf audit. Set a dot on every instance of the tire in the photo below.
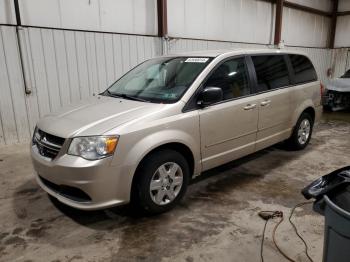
(298, 140)
(158, 169)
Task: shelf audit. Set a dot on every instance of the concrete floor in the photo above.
(217, 221)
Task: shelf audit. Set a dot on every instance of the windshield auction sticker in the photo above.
(196, 60)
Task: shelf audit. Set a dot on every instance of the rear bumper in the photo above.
(318, 113)
(103, 184)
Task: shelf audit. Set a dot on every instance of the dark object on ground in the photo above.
(267, 215)
(332, 194)
(337, 93)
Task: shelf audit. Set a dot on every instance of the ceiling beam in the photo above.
(343, 13)
(302, 8)
(307, 9)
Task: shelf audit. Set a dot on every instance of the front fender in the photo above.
(155, 140)
(138, 148)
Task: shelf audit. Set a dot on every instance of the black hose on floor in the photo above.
(267, 215)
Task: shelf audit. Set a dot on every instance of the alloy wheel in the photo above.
(166, 183)
(304, 131)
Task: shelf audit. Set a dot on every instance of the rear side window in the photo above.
(271, 72)
(304, 71)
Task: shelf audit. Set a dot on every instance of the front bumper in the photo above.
(336, 99)
(104, 184)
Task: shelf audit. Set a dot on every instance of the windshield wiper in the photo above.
(125, 96)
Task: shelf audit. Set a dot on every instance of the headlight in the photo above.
(93, 147)
(36, 135)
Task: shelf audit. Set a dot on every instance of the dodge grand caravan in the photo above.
(171, 118)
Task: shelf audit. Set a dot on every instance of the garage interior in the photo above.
(54, 53)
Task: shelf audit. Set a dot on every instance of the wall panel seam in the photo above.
(1, 117)
(45, 69)
(10, 86)
(71, 97)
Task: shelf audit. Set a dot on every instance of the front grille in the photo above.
(72, 193)
(48, 145)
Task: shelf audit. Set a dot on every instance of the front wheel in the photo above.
(161, 181)
(302, 132)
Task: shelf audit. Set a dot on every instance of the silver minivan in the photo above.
(169, 119)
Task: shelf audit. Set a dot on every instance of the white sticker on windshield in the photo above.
(196, 60)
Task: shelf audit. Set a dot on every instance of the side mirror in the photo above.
(210, 95)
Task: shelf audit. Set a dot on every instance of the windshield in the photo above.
(159, 80)
(346, 75)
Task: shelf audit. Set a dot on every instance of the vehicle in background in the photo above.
(337, 93)
(171, 118)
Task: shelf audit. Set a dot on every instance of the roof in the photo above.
(237, 51)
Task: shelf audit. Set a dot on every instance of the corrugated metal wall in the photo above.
(344, 5)
(340, 61)
(63, 67)
(248, 21)
(14, 116)
(231, 20)
(7, 12)
(304, 29)
(122, 16)
(342, 36)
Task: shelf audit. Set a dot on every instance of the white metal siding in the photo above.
(340, 61)
(304, 29)
(122, 16)
(342, 36)
(249, 21)
(344, 5)
(14, 125)
(64, 67)
(7, 12)
(231, 20)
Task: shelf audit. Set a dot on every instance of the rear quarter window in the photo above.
(271, 72)
(304, 71)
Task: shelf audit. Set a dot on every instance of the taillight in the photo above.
(321, 89)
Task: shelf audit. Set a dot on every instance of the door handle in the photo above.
(265, 103)
(249, 107)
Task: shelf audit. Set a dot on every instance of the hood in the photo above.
(339, 84)
(95, 116)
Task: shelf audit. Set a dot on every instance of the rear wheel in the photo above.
(302, 132)
(161, 181)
